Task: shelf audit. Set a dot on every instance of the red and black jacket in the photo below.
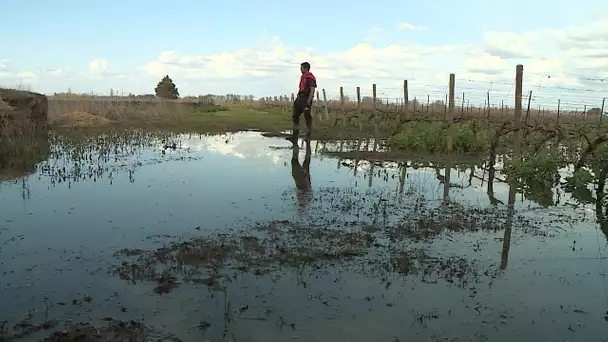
(307, 80)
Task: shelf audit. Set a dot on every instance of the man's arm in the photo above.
(311, 96)
(312, 85)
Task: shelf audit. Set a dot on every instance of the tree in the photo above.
(166, 89)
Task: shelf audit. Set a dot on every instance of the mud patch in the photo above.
(203, 260)
(23, 329)
(269, 248)
(275, 135)
(110, 330)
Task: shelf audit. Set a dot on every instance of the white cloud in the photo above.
(24, 80)
(27, 75)
(572, 57)
(410, 27)
(4, 69)
(487, 64)
(98, 66)
(507, 45)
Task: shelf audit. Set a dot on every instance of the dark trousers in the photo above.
(299, 106)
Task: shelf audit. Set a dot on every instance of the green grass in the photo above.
(237, 118)
(269, 120)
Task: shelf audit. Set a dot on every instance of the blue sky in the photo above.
(129, 37)
(55, 33)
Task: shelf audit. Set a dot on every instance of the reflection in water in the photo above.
(601, 207)
(358, 158)
(506, 240)
(446, 178)
(19, 156)
(402, 176)
(491, 177)
(446, 181)
(343, 270)
(373, 164)
(301, 174)
(340, 150)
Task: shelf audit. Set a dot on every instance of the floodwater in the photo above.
(236, 238)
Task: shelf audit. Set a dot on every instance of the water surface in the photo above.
(373, 250)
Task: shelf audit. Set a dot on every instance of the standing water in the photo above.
(240, 237)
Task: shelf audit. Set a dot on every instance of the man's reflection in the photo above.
(301, 173)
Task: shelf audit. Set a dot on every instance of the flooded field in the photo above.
(241, 238)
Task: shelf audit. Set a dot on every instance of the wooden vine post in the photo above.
(450, 127)
(375, 115)
(450, 113)
(519, 76)
(342, 113)
(462, 105)
(359, 113)
(374, 99)
(528, 110)
(585, 112)
(559, 105)
(406, 101)
(325, 104)
(489, 107)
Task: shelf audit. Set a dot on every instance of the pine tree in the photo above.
(166, 89)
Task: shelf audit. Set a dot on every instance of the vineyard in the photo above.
(205, 202)
(546, 128)
(534, 143)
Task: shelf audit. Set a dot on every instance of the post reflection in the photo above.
(301, 174)
(341, 149)
(372, 164)
(506, 240)
(601, 207)
(491, 177)
(447, 178)
(402, 176)
(358, 158)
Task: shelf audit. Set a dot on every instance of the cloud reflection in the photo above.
(244, 145)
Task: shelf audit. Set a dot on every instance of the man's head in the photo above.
(304, 67)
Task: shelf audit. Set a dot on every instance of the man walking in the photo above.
(303, 102)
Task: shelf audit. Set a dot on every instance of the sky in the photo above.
(247, 47)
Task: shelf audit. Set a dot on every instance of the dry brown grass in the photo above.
(79, 119)
(95, 111)
(5, 109)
